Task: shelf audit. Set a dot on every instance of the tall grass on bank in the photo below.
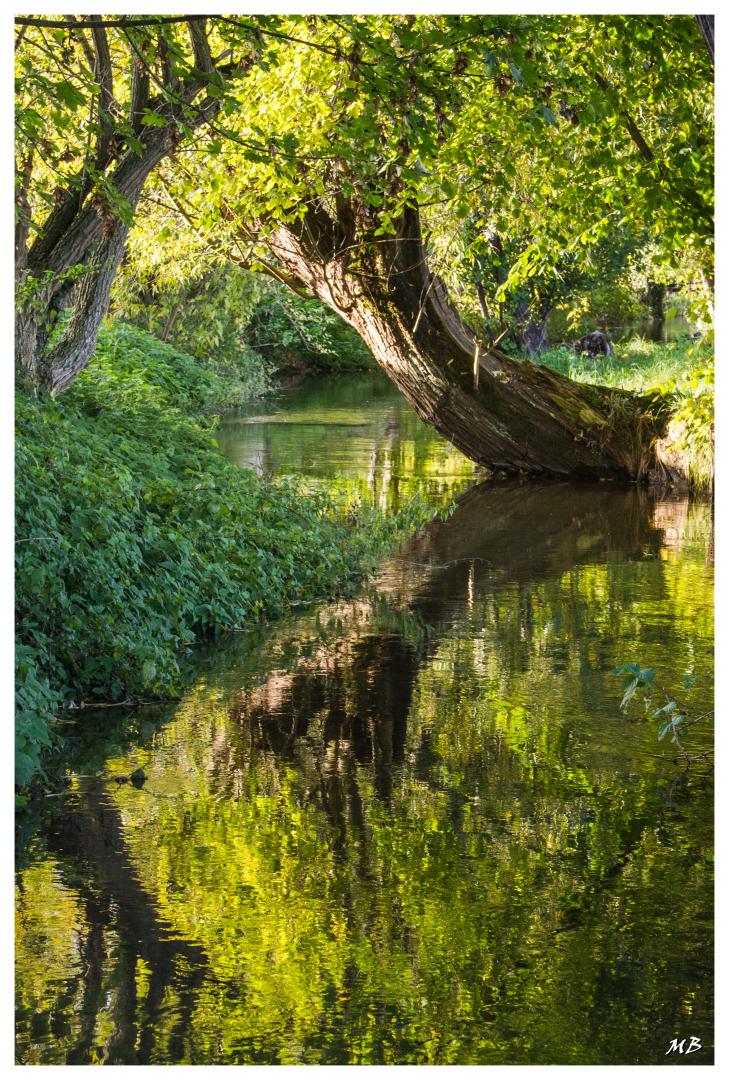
(680, 371)
(636, 365)
(135, 538)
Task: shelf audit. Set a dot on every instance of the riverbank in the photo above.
(136, 539)
(680, 372)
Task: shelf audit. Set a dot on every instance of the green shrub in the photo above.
(692, 422)
(303, 334)
(136, 537)
(134, 366)
(241, 323)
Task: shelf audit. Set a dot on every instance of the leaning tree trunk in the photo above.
(510, 415)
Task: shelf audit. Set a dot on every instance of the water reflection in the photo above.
(411, 827)
(669, 328)
(357, 435)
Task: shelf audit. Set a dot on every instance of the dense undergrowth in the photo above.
(245, 321)
(681, 371)
(136, 538)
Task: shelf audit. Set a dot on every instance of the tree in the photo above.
(480, 275)
(706, 25)
(101, 102)
(372, 120)
(396, 133)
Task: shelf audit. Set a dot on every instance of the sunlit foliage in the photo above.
(136, 538)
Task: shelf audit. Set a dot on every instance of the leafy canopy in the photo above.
(559, 130)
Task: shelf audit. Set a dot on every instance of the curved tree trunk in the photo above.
(510, 415)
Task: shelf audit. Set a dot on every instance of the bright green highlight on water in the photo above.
(407, 827)
(355, 436)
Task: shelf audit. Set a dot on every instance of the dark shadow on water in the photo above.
(407, 827)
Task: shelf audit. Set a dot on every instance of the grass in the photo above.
(681, 371)
(637, 365)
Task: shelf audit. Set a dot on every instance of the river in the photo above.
(407, 827)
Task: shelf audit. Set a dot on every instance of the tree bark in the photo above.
(530, 331)
(87, 235)
(535, 336)
(510, 415)
(706, 25)
(77, 251)
(58, 367)
(92, 239)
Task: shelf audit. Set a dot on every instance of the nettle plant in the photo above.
(674, 718)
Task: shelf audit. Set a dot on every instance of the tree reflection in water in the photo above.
(407, 828)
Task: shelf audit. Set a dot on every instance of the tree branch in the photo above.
(200, 44)
(139, 91)
(81, 38)
(96, 20)
(633, 130)
(104, 77)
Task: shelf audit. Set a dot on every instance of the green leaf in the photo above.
(547, 115)
(630, 692)
(153, 119)
(67, 93)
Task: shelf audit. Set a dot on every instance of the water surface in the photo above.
(355, 435)
(408, 827)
